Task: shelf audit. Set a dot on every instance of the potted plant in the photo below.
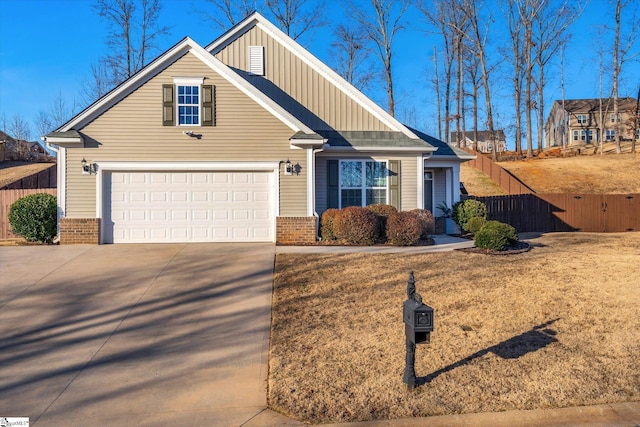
(450, 226)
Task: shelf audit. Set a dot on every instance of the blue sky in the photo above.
(47, 47)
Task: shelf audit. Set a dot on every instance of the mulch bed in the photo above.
(518, 248)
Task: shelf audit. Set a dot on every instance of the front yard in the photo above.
(554, 327)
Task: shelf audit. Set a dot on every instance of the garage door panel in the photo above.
(189, 206)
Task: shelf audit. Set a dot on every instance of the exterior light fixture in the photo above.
(288, 168)
(88, 168)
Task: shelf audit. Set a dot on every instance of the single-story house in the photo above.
(248, 139)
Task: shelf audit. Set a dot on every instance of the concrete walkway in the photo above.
(443, 243)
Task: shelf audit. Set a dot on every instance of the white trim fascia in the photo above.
(187, 45)
(102, 167)
(129, 86)
(63, 142)
(311, 173)
(446, 158)
(420, 195)
(62, 183)
(250, 90)
(188, 166)
(308, 58)
(188, 81)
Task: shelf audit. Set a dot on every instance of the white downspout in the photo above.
(60, 184)
(311, 187)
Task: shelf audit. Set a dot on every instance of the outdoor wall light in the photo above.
(288, 168)
(88, 168)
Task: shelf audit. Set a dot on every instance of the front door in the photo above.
(428, 190)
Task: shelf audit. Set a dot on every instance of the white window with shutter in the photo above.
(256, 60)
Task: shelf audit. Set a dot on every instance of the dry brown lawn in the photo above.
(554, 327)
(595, 174)
(609, 174)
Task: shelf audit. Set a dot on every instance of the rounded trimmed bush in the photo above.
(326, 224)
(496, 235)
(427, 220)
(35, 217)
(465, 210)
(383, 212)
(356, 225)
(474, 224)
(404, 229)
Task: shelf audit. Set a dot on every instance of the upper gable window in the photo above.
(188, 105)
(188, 102)
(582, 118)
(256, 60)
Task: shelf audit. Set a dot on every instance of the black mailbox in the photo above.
(418, 321)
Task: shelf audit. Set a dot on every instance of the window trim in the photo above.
(188, 81)
(363, 187)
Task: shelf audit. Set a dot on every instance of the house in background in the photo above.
(248, 139)
(579, 122)
(485, 141)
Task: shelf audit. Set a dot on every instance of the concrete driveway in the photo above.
(139, 335)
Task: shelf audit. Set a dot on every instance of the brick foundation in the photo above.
(76, 231)
(295, 230)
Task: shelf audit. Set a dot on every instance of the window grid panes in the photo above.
(610, 134)
(363, 183)
(582, 118)
(189, 105)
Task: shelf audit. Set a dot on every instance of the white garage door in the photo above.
(144, 207)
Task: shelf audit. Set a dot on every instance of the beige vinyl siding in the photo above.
(132, 131)
(408, 179)
(313, 99)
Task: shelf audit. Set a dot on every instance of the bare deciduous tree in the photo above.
(352, 56)
(296, 17)
(380, 24)
(133, 34)
(227, 13)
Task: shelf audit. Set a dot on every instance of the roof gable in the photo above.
(185, 46)
(257, 20)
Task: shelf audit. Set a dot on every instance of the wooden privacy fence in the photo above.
(504, 178)
(566, 212)
(47, 178)
(7, 197)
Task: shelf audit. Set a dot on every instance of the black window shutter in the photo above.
(208, 105)
(332, 185)
(168, 107)
(394, 183)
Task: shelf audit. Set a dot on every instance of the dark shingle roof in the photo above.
(593, 104)
(382, 139)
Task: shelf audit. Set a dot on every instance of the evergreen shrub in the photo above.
(35, 217)
(496, 235)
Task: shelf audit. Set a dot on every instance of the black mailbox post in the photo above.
(418, 325)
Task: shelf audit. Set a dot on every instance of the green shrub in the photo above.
(474, 224)
(326, 224)
(496, 235)
(382, 212)
(356, 225)
(465, 210)
(428, 222)
(404, 229)
(35, 217)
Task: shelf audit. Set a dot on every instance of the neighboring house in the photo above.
(248, 139)
(579, 122)
(485, 141)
